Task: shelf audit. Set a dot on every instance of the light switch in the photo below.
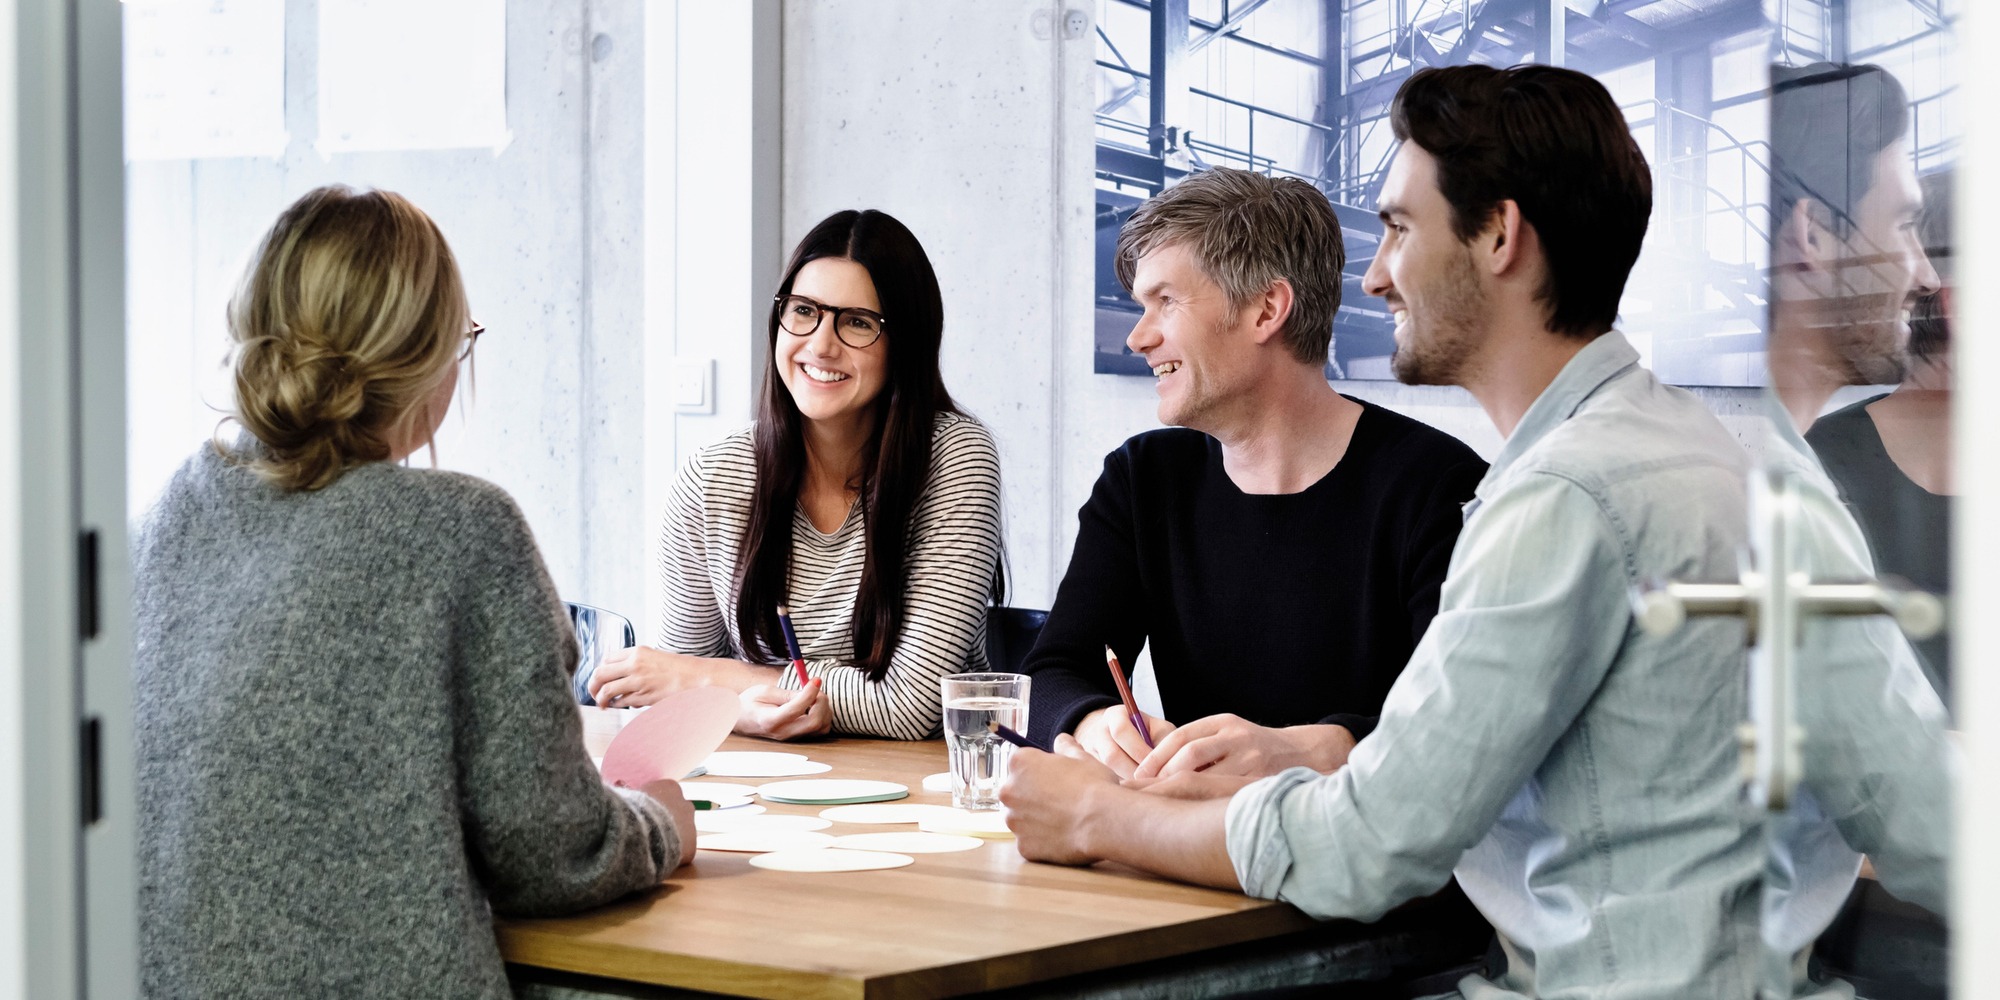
(694, 385)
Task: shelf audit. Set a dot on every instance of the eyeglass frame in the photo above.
(471, 338)
(778, 310)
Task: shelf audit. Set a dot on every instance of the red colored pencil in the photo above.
(1125, 695)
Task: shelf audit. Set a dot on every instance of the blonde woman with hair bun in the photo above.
(355, 737)
(343, 333)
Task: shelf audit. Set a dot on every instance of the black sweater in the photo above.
(1283, 609)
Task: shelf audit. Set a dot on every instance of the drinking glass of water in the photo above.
(979, 756)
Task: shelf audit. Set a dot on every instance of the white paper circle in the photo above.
(831, 860)
(761, 764)
(883, 813)
(742, 820)
(988, 825)
(716, 790)
(908, 843)
(939, 782)
(831, 791)
(763, 841)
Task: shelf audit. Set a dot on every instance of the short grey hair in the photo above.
(1246, 231)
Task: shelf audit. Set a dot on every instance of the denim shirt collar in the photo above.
(1600, 361)
(1789, 450)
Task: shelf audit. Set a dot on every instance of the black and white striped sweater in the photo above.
(954, 551)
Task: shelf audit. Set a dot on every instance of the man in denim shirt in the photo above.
(1580, 777)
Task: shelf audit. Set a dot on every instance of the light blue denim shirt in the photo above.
(1878, 765)
(1580, 777)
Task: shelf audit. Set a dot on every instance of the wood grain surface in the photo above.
(949, 924)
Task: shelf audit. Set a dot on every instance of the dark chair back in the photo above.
(1010, 634)
(597, 632)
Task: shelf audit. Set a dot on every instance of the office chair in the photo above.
(597, 632)
(1010, 634)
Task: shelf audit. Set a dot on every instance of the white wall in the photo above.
(712, 257)
(955, 118)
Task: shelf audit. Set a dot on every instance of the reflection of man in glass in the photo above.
(1890, 454)
(1848, 265)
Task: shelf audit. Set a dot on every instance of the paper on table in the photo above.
(831, 791)
(985, 825)
(830, 859)
(762, 841)
(669, 738)
(761, 764)
(719, 792)
(908, 843)
(742, 820)
(885, 813)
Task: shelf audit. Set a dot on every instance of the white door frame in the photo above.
(1975, 918)
(70, 890)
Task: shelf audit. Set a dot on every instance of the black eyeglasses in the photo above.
(471, 338)
(856, 327)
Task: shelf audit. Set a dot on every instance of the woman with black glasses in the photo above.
(862, 500)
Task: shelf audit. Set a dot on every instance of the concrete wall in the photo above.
(957, 119)
(945, 116)
(549, 234)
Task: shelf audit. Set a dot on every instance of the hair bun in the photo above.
(298, 387)
(348, 321)
(303, 399)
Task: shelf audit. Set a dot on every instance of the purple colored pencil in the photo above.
(792, 643)
(1015, 738)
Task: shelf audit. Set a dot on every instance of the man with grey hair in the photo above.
(1280, 546)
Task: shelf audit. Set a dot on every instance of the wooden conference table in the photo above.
(947, 925)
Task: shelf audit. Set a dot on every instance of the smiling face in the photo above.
(1879, 273)
(1189, 338)
(830, 381)
(1426, 275)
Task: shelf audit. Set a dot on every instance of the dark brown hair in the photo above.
(1552, 141)
(896, 463)
(1246, 230)
(1829, 121)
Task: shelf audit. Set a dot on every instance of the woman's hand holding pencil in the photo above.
(776, 713)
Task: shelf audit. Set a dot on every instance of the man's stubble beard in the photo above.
(1436, 352)
(1868, 343)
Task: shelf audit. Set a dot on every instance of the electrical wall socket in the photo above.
(1074, 24)
(694, 385)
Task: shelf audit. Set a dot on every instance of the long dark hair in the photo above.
(895, 464)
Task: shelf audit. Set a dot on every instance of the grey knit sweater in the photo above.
(354, 731)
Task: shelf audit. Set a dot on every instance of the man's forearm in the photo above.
(1176, 838)
(1326, 745)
